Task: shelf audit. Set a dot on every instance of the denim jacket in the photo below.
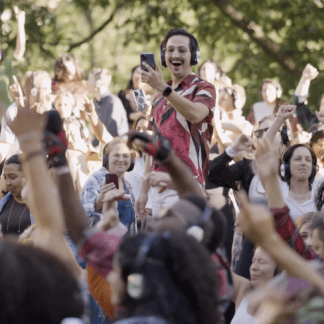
(92, 189)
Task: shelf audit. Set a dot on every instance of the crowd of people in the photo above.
(182, 212)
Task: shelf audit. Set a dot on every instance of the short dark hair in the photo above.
(286, 161)
(180, 31)
(14, 159)
(36, 287)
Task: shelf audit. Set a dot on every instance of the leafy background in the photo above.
(250, 40)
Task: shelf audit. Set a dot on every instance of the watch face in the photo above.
(167, 91)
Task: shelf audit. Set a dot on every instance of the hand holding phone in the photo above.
(149, 59)
(112, 178)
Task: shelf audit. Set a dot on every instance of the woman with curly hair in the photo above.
(36, 287)
(164, 278)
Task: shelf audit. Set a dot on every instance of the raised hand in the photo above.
(310, 72)
(89, 106)
(16, 92)
(320, 116)
(20, 15)
(154, 78)
(286, 111)
(36, 122)
(242, 143)
(255, 221)
(267, 160)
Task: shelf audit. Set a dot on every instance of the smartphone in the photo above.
(149, 59)
(140, 99)
(112, 178)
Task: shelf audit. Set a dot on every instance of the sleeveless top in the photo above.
(241, 315)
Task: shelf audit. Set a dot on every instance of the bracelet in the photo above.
(30, 136)
(62, 170)
(32, 155)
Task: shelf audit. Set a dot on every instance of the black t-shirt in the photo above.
(15, 217)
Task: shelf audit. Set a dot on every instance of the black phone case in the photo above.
(149, 59)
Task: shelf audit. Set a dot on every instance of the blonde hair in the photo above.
(67, 94)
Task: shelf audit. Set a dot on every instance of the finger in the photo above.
(16, 10)
(157, 67)
(243, 200)
(148, 67)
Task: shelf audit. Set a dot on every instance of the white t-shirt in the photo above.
(262, 109)
(257, 196)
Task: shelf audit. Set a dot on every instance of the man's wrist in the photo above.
(162, 87)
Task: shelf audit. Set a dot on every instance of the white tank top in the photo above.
(241, 315)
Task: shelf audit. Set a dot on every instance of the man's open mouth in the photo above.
(176, 63)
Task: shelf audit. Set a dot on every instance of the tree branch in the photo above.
(283, 57)
(96, 31)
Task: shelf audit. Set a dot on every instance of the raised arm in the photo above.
(195, 111)
(284, 112)
(258, 225)
(224, 175)
(43, 203)
(305, 117)
(182, 178)
(98, 127)
(21, 37)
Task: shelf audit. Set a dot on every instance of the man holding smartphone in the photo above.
(183, 111)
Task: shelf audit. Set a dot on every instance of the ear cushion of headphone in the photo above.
(105, 161)
(131, 166)
(287, 170)
(162, 55)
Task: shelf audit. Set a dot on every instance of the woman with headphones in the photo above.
(117, 159)
(225, 175)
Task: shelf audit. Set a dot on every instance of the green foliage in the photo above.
(135, 26)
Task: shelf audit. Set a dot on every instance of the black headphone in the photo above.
(198, 230)
(285, 135)
(195, 54)
(136, 287)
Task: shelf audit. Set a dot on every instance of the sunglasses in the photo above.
(259, 133)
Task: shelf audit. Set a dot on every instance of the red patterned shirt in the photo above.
(189, 141)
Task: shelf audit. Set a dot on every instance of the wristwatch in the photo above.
(166, 91)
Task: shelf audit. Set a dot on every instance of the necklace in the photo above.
(8, 221)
